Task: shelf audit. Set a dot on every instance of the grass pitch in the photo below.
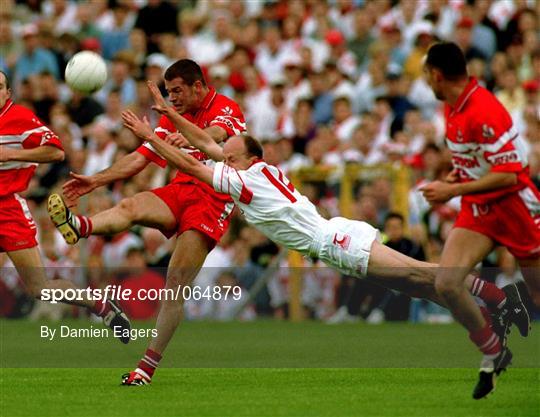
(265, 369)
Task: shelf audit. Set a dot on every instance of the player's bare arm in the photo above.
(206, 140)
(441, 192)
(42, 154)
(182, 161)
(125, 167)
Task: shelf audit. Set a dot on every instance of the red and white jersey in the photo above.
(21, 129)
(216, 110)
(481, 135)
(270, 202)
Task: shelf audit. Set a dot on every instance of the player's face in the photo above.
(434, 79)
(5, 93)
(236, 155)
(183, 97)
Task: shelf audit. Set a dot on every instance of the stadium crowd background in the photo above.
(321, 83)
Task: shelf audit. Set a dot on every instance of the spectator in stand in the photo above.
(157, 17)
(34, 60)
(120, 78)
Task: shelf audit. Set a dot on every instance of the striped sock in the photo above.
(148, 364)
(487, 341)
(84, 225)
(493, 296)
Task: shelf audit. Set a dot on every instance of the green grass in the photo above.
(265, 369)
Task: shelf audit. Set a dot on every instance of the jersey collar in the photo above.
(209, 98)
(256, 161)
(465, 94)
(6, 107)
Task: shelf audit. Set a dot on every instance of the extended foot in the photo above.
(118, 322)
(63, 219)
(136, 378)
(513, 311)
(490, 369)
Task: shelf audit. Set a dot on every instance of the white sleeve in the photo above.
(227, 180)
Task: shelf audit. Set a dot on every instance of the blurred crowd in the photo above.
(321, 83)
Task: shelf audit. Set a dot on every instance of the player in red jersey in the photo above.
(500, 204)
(186, 207)
(24, 143)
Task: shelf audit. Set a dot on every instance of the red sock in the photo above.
(494, 297)
(85, 225)
(148, 363)
(101, 308)
(486, 340)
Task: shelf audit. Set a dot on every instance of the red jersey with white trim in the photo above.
(21, 129)
(216, 110)
(481, 135)
(269, 201)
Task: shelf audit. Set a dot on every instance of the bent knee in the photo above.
(129, 207)
(446, 288)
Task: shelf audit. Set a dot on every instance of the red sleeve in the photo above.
(496, 137)
(35, 133)
(163, 128)
(227, 115)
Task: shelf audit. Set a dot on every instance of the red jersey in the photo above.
(21, 129)
(216, 110)
(481, 135)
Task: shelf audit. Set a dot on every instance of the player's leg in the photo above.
(144, 208)
(464, 248)
(399, 272)
(30, 268)
(188, 257)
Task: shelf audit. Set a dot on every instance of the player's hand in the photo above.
(176, 139)
(160, 105)
(76, 187)
(140, 128)
(5, 153)
(452, 177)
(438, 192)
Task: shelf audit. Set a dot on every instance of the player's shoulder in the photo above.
(225, 104)
(20, 118)
(484, 102)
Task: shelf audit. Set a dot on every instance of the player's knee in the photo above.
(446, 288)
(128, 207)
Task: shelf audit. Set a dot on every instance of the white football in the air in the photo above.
(86, 72)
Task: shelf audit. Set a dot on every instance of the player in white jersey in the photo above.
(270, 202)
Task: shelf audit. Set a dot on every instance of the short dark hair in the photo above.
(394, 215)
(8, 86)
(253, 147)
(448, 58)
(186, 69)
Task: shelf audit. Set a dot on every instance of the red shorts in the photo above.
(196, 209)
(17, 227)
(513, 222)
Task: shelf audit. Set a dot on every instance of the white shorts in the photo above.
(345, 245)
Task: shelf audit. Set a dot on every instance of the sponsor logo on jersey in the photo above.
(207, 228)
(343, 243)
(465, 162)
(504, 158)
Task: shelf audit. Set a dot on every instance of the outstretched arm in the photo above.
(41, 154)
(179, 159)
(195, 135)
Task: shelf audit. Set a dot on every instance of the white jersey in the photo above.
(270, 203)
